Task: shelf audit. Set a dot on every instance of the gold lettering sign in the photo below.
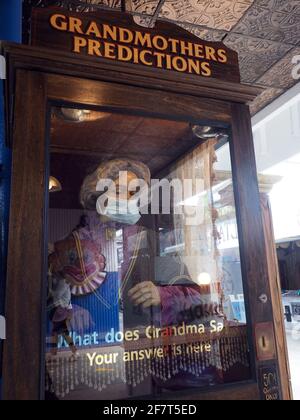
(108, 41)
(122, 40)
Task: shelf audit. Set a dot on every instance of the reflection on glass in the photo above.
(145, 292)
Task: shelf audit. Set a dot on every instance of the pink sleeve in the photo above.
(175, 300)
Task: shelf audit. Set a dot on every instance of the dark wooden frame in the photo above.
(38, 78)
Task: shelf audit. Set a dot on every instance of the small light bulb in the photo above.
(54, 185)
(204, 279)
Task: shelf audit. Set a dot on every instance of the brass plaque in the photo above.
(265, 341)
(269, 383)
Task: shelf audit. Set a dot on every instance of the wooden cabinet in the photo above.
(41, 78)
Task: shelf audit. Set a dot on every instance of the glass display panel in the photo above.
(144, 288)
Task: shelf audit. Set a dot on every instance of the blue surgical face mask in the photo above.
(123, 211)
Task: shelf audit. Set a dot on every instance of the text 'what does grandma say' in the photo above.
(152, 332)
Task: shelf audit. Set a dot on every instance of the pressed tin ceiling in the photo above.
(265, 33)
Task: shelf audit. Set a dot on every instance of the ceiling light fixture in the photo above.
(54, 185)
(72, 114)
(75, 115)
(205, 132)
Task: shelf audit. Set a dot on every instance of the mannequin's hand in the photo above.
(145, 294)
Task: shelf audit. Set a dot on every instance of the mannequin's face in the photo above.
(122, 189)
(120, 205)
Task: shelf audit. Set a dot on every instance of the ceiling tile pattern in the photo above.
(280, 74)
(284, 6)
(106, 3)
(265, 99)
(256, 55)
(207, 34)
(144, 6)
(215, 14)
(265, 33)
(271, 22)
